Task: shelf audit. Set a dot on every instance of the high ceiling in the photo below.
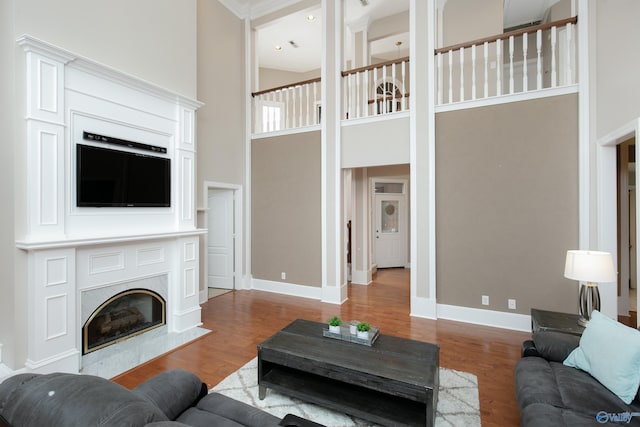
(300, 40)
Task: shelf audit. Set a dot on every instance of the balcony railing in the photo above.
(287, 107)
(376, 89)
(520, 61)
(517, 62)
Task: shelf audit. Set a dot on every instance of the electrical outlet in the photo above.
(485, 299)
(512, 304)
(283, 275)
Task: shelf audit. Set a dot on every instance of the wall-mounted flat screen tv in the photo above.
(114, 178)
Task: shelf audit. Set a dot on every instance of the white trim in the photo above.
(90, 241)
(376, 118)
(291, 289)
(607, 214)
(505, 99)
(585, 125)
(431, 144)
(286, 132)
(495, 319)
(67, 361)
(245, 222)
(361, 277)
(335, 294)
(424, 307)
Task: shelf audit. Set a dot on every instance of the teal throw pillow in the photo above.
(610, 352)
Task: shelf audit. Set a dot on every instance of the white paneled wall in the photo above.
(79, 257)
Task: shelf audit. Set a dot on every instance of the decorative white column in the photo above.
(334, 285)
(422, 154)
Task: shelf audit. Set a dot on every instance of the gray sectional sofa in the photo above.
(172, 398)
(550, 393)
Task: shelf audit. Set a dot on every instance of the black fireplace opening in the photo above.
(122, 316)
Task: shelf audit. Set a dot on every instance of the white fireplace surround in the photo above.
(79, 257)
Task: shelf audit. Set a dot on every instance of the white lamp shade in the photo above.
(589, 266)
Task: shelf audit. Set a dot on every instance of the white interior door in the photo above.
(391, 232)
(220, 239)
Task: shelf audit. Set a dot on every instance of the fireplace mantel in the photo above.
(75, 252)
(105, 240)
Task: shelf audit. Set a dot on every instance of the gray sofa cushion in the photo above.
(172, 391)
(551, 394)
(218, 410)
(72, 400)
(555, 346)
(541, 415)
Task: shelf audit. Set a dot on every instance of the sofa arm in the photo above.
(172, 391)
(555, 346)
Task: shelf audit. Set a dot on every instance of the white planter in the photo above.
(334, 329)
(363, 335)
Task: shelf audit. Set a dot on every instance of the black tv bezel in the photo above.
(126, 204)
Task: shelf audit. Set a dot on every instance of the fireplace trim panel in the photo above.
(72, 250)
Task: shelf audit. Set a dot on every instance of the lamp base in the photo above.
(589, 301)
(583, 322)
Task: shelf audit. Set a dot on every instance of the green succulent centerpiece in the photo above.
(363, 330)
(334, 324)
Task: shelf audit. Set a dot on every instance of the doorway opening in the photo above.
(626, 207)
(376, 220)
(618, 215)
(222, 243)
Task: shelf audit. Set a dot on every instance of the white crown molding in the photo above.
(32, 44)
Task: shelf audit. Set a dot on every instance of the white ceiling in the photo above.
(307, 35)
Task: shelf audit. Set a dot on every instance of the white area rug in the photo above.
(458, 403)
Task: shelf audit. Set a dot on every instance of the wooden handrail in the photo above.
(302, 83)
(371, 67)
(504, 36)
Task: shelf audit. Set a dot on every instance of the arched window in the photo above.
(388, 97)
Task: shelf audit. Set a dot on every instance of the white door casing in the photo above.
(220, 242)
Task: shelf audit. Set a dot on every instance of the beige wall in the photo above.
(617, 95)
(270, 78)
(465, 20)
(151, 39)
(389, 26)
(221, 121)
(558, 11)
(506, 204)
(285, 209)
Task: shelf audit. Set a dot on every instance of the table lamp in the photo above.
(589, 267)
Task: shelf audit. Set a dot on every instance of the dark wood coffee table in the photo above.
(393, 382)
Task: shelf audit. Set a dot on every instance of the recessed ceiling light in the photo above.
(311, 18)
(278, 48)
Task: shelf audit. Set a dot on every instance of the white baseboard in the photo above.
(423, 307)
(361, 277)
(335, 294)
(497, 319)
(186, 319)
(68, 361)
(203, 296)
(291, 289)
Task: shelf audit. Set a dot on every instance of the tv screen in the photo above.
(113, 178)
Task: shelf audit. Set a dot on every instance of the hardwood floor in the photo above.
(240, 320)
